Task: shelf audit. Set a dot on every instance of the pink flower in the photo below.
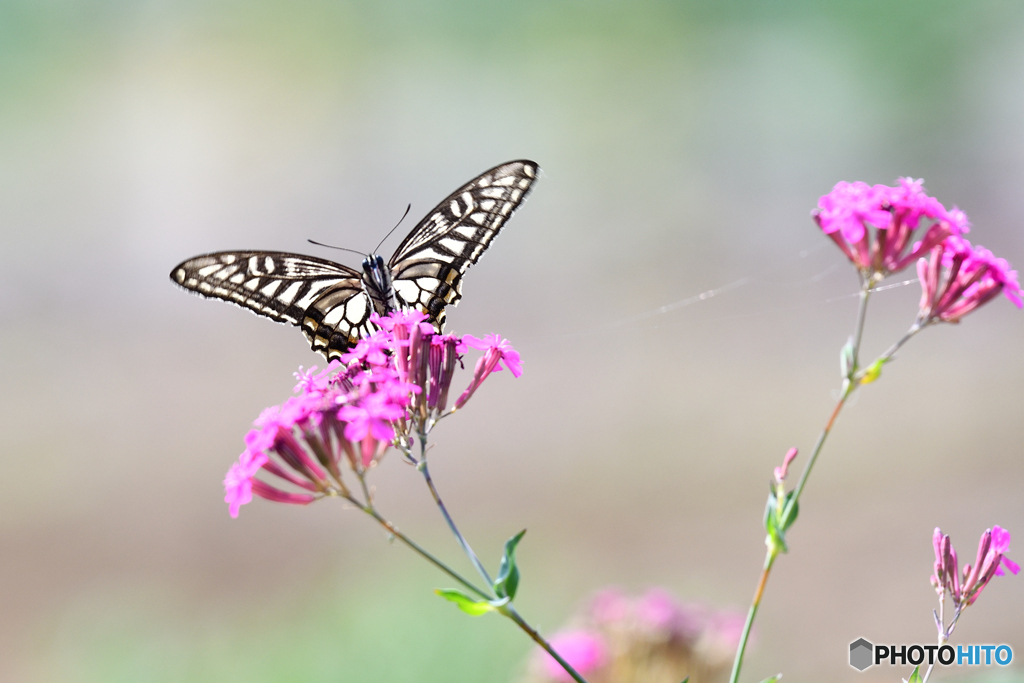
(851, 211)
(400, 319)
(957, 278)
(238, 480)
(371, 417)
(372, 350)
(583, 650)
(496, 350)
(990, 560)
(1001, 545)
(947, 575)
(849, 206)
(312, 382)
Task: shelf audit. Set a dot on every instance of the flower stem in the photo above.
(510, 612)
(737, 663)
(862, 310)
(422, 467)
(426, 554)
(507, 609)
(848, 389)
(849, 385)
(891, 351)
(944, 634)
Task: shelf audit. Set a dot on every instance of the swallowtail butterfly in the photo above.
(332, 303)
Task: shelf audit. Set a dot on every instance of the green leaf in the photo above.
(772, 679)
(776, 540)
(916, 676)
(770, 511)
(469, 605)
(508, 573)
(789, 512)
(846, 360)
(685, 680)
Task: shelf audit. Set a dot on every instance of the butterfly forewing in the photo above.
(324, 298)
(428, 265)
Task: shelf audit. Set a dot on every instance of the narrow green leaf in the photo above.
(772, 679)
(685, 680)
(916, 676)
(846, 359)
(465, 603)
(790, 512)
(770, 510)
(508, 573)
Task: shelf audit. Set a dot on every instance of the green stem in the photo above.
(848, 389)
(371, 511)
(737, 663)
(862, 310)
(891, 351)
(510, 612)
(422, 467)
(507, 610)
(849, 385)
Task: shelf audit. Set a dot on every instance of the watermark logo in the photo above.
(861, 654)
(864, 654)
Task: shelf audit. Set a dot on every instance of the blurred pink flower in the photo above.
(657, 610)
(610, 605)
(585, 652)
(727, 628)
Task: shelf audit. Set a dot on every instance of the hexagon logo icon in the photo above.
(860, 654)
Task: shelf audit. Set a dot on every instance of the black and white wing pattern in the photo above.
(332, 303)
(324, 298)
(428, 265)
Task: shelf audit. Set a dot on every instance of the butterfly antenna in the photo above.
(331, 246)
(408, 206)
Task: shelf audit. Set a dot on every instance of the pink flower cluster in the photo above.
(336, 414)
(965, 588)
(957, 278)
(875, 226)
(391, 386)
(850, 210)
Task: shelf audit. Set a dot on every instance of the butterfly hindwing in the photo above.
(428, 265)
(324, 298)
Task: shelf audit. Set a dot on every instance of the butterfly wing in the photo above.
(324, 298)
(428, 265)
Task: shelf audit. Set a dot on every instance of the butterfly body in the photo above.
(332, 303)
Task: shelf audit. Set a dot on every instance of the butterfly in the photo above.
(332, 303)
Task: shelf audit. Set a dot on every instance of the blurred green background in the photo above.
(683, 146)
